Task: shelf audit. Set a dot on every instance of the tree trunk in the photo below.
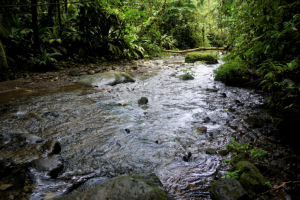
(66, 6)
(58, 13)
(82, 18)
(50, 13)
(35, 26)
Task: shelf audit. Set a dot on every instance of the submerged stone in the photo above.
(143, 101)
(202, 129)
(223, 152)
(51, 147)
(228, 189)
(197, 56)
(186, 77)
(210, 151)
(145, 186)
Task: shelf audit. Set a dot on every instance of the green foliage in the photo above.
(234, 146)
(234, 174)
(255, 153)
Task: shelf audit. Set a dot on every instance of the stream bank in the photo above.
(103, 133)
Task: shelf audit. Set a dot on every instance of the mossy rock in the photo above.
(197, 56)
(210, 151)
(122, 77)
(240, 157)
(186, 77)
(233, 72)
(228, 188)
(143, 101)
(223, 152)
(250, 177)
(146, 186)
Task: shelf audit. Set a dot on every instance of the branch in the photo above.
(200, 48)
(281, 186)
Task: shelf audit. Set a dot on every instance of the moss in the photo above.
(250, 177)
(233, 72)
(197, 56)
(212, 191)
(122, 77)
(186, 77)
(240, 157)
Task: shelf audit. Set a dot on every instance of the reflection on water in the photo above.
(90, 125)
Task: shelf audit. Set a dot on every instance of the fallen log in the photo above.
(200, 48)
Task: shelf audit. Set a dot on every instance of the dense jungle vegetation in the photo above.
(263, 36)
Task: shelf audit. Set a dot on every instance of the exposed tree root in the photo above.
(281, 186)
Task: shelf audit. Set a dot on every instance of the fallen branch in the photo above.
(281, 186)
(200, 48)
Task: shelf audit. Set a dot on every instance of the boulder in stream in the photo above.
(186, 77)
(146, 186)
(106, 78)
(143, 101)
(52, 164)
(228, 189)
(197, 56)
(250, 177)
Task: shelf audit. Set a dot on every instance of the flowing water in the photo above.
(101, 137)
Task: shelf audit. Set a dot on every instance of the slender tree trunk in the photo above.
(58, 13)
(66, 6)
(82, 16)
(203, 35)
(35, 26)
(50, 13)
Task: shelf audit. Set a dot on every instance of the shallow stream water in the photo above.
(102, 139)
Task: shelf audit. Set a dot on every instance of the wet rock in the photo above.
(211, 90)
(74, 72)
(145, 186)
(206, 120)
(223, 152)
(50, 114)
(29, 139)
(185, 158)
(250, 177)
(127, 130)
(53, 165)
(210, 151)
(51, 147)
(156, 141)
(228, 189)
(5, 186)
(202, 129)
(91, 72)
(186, 77)
(189, 155)
(143, 101)
(223, 95)
(173, 74)
(107, 78)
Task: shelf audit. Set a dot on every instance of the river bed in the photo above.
(104, 133)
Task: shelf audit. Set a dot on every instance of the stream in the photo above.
(104, 133)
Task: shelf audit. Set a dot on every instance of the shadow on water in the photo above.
(101, 138)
